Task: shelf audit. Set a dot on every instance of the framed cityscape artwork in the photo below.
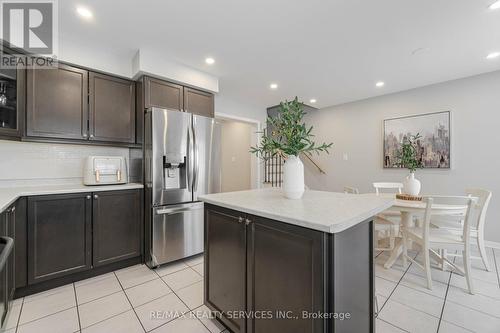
(433, 146)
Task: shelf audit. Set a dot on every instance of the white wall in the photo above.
(236, 160)
(228, 108)
(357, 130)
(225, 105)
(36, 163)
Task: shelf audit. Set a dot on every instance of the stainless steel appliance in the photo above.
(178, 163)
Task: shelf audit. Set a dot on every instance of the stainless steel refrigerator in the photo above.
(180, 163)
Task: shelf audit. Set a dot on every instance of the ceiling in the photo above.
(334, 51)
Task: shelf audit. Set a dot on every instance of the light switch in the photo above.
(233, 159)
(345, 157)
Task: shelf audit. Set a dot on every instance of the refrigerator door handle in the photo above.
(190, 158)
(196, 163)
(186, 208)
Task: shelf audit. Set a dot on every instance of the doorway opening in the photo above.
(239, 169)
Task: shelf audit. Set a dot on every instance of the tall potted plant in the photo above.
(407, 157)
(289, 136)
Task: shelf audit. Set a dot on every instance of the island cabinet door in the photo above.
(285, 277)
(225, 265)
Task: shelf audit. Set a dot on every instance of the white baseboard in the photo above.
(495, 245)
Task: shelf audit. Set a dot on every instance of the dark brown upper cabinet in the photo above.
(198, 102)
(13, 92)
(57, 105)
(162, 94)
(116, 226)
(111, 109)
(59, 235)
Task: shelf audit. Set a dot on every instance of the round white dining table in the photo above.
(410, 209)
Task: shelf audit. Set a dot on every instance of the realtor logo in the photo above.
(30, 26)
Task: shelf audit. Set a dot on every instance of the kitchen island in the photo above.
(279, 265)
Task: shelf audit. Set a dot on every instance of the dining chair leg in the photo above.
(404, 242)
(444, 255)
(427, 266)
(392, 237)
(482, 252)
(467, 269)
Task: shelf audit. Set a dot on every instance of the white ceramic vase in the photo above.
(411, 185)
(293, 178)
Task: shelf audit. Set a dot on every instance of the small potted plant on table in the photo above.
(408, 158)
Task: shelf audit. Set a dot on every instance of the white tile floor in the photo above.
(406, 305)
(122, 301)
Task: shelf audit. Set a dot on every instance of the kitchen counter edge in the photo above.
(332, 228)
(9, 195)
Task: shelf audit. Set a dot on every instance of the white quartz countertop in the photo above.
(324, 211)
(9, 195)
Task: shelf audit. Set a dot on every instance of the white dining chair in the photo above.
(354, 190)
(477, 225)
(382, 187)
(432, 240)
(350, 190)
(387, 222)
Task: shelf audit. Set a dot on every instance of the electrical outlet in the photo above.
(345, 157)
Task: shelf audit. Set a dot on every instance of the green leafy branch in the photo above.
(290, 135)
(407, 155)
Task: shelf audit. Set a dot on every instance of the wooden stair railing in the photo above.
(273, 169)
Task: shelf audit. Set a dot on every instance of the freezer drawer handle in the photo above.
(175, 210)
(9, 242)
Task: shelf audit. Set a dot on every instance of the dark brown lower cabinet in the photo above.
(266, 276)
(59, 235)
(20, 243)
(285, 276)
(259, 266)
(71, 233)
(225, 265)
(116, 226)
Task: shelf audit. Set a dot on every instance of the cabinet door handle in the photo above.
(91, 135)
(88, 197)
(247, 221)
(85, 135)
(240, 219)
(96, 196)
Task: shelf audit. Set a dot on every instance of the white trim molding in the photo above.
(494, 245)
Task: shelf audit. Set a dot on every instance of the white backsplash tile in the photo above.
(27, 162)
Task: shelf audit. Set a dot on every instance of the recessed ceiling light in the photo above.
(380, 84)
(495, 5)
(273, 86)
(84, 12)
(493, 55)
(210, 61)
(312, 100)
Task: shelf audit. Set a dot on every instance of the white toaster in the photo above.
(105, 170)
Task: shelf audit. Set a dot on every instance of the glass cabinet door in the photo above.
(9, 101)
